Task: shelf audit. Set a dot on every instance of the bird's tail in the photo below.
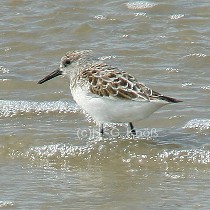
(169, 99)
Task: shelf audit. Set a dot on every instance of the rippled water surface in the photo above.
(50, 154)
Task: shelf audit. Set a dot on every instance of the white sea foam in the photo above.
(176, 16)
(138, 5)
(200, 124)
(188, 156)
(11, 108)
(6, 204)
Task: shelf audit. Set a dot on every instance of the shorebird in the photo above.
(105, 92)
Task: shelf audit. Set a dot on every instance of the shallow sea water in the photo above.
(50, 154)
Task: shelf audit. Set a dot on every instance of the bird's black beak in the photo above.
(55, 73)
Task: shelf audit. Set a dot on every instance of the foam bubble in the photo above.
(100, 17)
(4, 70)
(5, 204)
(205, 87)
(176, 16)
(189, 156)
(197, 55)
(200, 124)
(140, 5)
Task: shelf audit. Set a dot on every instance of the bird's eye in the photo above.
(67, 62)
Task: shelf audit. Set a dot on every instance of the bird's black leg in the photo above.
(101, 128)
(133, 131)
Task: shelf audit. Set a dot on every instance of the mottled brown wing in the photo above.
(105, 80)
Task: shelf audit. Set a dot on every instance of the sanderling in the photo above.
(106, 93)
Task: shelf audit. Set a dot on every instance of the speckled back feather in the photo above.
(105, 80)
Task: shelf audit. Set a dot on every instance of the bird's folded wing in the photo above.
(105, 80)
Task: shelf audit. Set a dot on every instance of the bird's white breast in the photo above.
(110, 109)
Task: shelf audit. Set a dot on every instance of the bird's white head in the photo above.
(68, 63)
